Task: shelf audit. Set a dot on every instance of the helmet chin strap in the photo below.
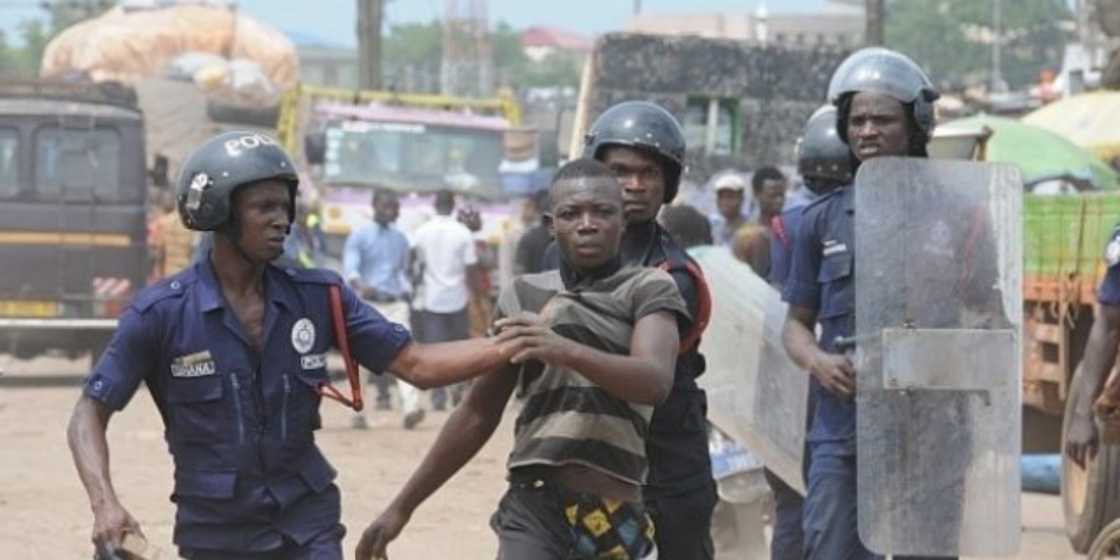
(232, 232)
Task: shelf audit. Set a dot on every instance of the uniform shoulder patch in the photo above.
(314, 276)
(172, 287)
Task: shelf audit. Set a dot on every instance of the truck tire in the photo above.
(1107, 544)
(1090, 495)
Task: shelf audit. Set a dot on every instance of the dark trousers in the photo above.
(684, 523)
(787, 542)
(433, 327)
(831, 517)
(324, 546)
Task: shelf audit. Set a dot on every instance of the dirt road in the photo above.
(45, 514)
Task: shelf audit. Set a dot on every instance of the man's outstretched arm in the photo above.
(436, 365)
(645, 375)
(467, 429)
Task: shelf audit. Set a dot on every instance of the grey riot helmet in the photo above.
(644, 126)
(221, 164)
(886, 72)
(821, 154)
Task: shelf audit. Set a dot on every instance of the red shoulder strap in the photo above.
(691, 339)
(778, 226)
(342, 341)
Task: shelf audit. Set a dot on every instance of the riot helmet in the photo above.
(221, 164)
(644, 126)
(821, 154)
(886, 72)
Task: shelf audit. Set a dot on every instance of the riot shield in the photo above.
(938, 262)
(756, 394)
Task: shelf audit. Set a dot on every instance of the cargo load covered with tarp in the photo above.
(132, 44)
(179, 119)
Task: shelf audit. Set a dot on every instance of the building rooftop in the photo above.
(543, 36)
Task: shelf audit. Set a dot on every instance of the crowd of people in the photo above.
(597, 336)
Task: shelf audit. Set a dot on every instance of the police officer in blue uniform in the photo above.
(884, 108)
(1082, 440)
(824, 163)
(643, 144)
(233, 351)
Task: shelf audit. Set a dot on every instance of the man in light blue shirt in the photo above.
(375, 264)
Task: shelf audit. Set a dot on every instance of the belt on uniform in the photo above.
(383, 298)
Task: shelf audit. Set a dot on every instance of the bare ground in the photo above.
(44, 513)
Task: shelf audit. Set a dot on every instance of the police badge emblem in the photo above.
(303, 335)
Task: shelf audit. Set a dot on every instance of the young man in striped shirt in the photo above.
(594, 349)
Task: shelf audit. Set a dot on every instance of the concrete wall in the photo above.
(776, 88)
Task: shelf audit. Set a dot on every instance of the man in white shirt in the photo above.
(445, 249)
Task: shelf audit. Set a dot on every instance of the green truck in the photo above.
(1065, 238)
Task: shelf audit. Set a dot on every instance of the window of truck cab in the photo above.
(79, 165)
(367, 152)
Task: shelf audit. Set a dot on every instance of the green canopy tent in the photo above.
(1041, 154)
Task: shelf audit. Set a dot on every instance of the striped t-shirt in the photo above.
(567, 419)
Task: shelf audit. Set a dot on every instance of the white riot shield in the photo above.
(756, 394)
(938, 333)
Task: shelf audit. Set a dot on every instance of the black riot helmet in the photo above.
(644, 126)
(220, 165)
(886, 72)
(821, 154)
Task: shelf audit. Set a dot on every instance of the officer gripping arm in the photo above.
(233, 351)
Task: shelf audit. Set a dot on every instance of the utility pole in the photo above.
(997, 46)
(369, 43)
(873, 33)
(637, 7)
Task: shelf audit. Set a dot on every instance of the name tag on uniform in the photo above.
(198, 364)
(313, 361)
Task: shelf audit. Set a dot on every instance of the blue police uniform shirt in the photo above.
(781, 245)
(821, 278)
(1109, 291)
(240, 424)
(378, 255)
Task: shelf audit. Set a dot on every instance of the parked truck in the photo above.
(415, 144)
(73, 188)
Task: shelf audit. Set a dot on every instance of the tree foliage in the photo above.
(952, 39)
(23, 62)
(419, 46)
